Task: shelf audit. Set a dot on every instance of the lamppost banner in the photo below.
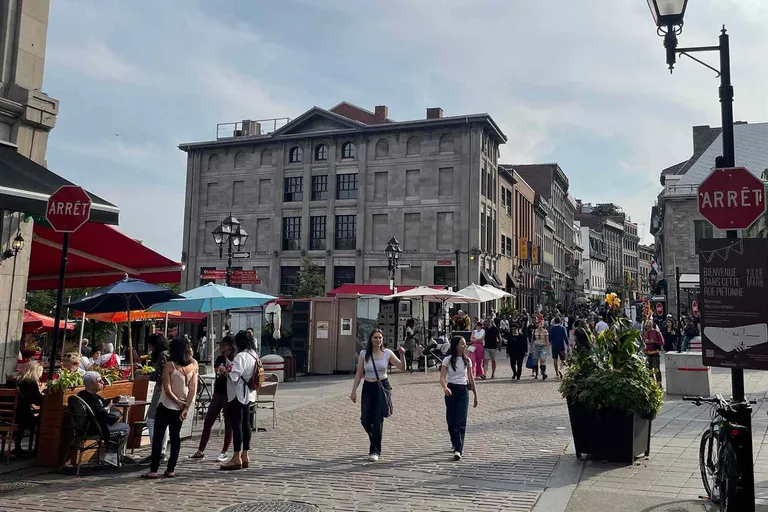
(732, 305)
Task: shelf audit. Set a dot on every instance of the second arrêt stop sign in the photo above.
(731, 198)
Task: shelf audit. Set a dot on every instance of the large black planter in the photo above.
(609, 434)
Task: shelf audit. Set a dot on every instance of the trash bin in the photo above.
(290, 368)
(685, 374)
(274, 363)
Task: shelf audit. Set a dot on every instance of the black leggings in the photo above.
(370, 414)
(516, 362)
(240, 419)
(170, 419)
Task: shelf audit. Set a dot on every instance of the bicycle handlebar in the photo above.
(713, 400)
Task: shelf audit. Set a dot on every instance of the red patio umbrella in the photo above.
(35, 322)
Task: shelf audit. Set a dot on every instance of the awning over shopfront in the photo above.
(489, 279)
(99, 255)
(689, 281)
(512, 282)
(371, 289)
(25, 186)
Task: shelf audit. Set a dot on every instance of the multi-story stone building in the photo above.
(550, 181)
(335, 185)
(516, 227)
(27, 115)
(630, 258)
(545, 228)
(612, 228)
(675, 221)
(593, 261)
(645, 258)
(578, 259)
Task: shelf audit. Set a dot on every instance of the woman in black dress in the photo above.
(517, 349)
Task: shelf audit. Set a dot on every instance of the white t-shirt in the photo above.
(381, 364)
(478, 335)
(243, 366)
(459, 375)
(600, 327)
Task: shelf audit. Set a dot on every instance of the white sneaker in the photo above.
(373, 457)
(456, 455)
(222, 457)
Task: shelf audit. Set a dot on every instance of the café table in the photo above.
(125, 408)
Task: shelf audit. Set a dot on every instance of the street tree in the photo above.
(311, 280)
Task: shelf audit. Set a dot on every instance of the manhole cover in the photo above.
(272, 506)
(16, 486)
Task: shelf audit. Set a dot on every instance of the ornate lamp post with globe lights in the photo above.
(668, 16)
(393, 253)
(16, 245)
(232, 235)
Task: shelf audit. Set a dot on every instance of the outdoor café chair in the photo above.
(9, 401)
(266, 398)
(203, 399)
(87, 433)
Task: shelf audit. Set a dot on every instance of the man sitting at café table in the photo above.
(107, 418)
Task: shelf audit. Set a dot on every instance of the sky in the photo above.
(583, 84)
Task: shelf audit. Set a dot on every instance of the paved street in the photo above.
(318, 452)
(514, 443)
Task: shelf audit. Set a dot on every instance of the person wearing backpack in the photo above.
(243, 378)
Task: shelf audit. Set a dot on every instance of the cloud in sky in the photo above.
(583, 84)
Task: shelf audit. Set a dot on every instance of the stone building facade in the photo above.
(336, 185)
(545, 228)
(645, 258)
(27, 116)
(631, 259)
(593, 261)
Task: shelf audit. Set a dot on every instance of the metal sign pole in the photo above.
(59, 300)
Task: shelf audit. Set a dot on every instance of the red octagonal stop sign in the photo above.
(68, 209)
(731, 198)
(659, 308)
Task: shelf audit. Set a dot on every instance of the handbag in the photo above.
(385, 395)
(530, 363)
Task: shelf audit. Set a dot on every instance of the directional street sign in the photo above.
(214, 274)
(241, 255)
(404, 265)
(245, 277)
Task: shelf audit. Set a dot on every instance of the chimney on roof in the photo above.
(380, 115)
(703, 136)
(434, 113)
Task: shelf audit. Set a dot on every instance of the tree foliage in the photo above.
(606, 210)
(311, 280)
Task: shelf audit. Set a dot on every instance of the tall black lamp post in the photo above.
(668, 16)
(393, 253)
(16, 245)
(229, 234)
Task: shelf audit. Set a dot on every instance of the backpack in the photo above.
(257, 378)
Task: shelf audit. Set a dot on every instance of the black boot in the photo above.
(543, 372)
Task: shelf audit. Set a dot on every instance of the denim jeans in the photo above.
(370, 414)
(456, 407)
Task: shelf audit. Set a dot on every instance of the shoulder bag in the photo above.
(385, 395)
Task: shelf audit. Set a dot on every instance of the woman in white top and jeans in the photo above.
(176, 398)
(370, 410)
(240, 398)
(457, 380)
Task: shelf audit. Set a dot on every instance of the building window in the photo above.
(293, 189)
(317, 233)
(294, 155)
(701, 229)
(289, 278)
(291, 233)
(382, 149)
(343, 275)
(509, 202)
(346, 232)
(483, 185)
(508, 247)
(321, 153)
(445, 276)
(319, 188)
(346, 186)
(483, 232)
(348, 150)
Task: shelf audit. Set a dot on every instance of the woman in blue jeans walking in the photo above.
(457, 380)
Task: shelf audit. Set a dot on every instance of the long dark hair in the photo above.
(369, 345)
(177, 352)
(244, 342)
(455, 352)
(229, 341)
(159, 345)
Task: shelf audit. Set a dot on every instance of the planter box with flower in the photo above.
(612, 396)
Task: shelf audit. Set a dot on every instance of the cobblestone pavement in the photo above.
(317, 455)
(671, 475)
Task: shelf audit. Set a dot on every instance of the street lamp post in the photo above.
(520, 270)
(668, 16)
(393, 253)
(16, 245)
(229, 233)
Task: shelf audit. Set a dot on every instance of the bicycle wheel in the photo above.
(728, 477)
(708, 456)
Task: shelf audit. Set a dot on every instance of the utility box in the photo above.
(685, 374)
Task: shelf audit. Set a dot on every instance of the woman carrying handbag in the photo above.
(457, 381)
(375, 400)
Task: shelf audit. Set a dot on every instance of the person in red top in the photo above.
(654, 342)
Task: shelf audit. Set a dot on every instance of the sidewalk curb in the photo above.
(562, 483)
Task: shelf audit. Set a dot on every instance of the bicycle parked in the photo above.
(720, 444)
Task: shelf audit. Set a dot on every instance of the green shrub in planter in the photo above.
(614, 375)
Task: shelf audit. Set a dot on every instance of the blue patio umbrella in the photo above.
(127, 295)
(213, 297)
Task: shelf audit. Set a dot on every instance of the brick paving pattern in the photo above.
(317, 455)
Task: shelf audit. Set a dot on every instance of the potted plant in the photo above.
(65, 380)
(612, 396)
